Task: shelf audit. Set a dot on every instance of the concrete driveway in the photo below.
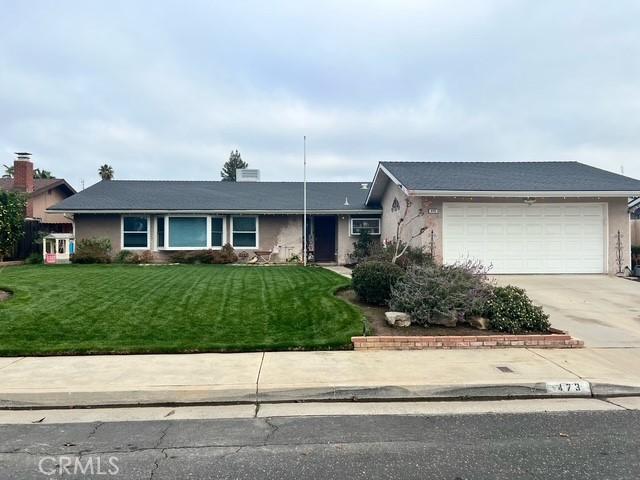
(601, 310)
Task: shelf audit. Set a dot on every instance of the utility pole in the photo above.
(304, 202)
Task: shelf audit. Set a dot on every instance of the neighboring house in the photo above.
(541, 217)
(519, 217)
(41, 193)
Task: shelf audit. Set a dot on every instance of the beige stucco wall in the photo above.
(98, 226)
(284, 231)
(617, 220)
(46, 199)
(389, 223)
(344, 241)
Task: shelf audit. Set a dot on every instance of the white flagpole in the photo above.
(304, 201)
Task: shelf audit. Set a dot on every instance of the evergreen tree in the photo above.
(235, 162)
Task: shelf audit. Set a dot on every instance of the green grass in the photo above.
(70, 309)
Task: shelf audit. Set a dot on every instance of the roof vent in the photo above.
(247, 175)
(364, 186)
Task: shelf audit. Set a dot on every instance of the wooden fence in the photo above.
(31, 241)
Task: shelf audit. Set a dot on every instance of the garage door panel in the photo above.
(475, 229)
(539, 238)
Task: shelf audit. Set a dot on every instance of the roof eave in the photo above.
(522, 193)
(219, 212)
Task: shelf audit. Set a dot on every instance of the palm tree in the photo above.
(8, 171)
(37, 173)
(106, 172)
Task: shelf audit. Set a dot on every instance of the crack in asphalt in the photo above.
(274, 429)
(163, 451)
(156, 463)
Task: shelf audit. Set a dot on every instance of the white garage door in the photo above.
(521, 238)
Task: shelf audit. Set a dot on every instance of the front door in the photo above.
(324, 239)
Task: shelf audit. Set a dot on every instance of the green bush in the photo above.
(372, 281)
(34, 259)
(511, 310)
(126, 256)
(362, 247)
(92, 250)
(431, 293)
(211, 257)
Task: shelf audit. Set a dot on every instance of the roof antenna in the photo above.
(346, 201)
(622, 169)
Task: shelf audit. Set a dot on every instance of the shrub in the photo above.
(432, 292)
(222, 256)
(146, 256)
(92, 250)
(126, 256)
(362, 248)
(228, 254)
(373, 280)
(179, 257)
(34, 259)
(411, 256)
(511, 310)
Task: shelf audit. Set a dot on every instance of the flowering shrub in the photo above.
(432, 292)
(511, 310)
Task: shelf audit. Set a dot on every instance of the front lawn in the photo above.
(179, 308)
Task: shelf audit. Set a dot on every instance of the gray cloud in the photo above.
(166, 91)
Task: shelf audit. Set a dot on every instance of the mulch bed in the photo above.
(380, 327)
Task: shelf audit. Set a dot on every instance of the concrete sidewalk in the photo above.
(307, 376)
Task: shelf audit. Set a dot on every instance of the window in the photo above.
(369, 225)
(244, 232)
(217, 232)
(187, 232)
(135, 232)
(160, 231)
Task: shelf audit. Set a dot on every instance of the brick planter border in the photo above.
(553, 340)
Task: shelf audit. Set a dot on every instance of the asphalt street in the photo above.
(567, 445)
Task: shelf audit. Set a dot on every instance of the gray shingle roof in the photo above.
(132, 195)
(508, 176)
(39, 184)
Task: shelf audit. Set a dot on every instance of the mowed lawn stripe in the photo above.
(172, 308)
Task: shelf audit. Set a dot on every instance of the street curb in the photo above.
(605, 390)
(390, 393)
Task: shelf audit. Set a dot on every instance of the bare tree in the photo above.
(405, 222)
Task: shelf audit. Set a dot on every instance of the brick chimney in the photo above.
(23, 172)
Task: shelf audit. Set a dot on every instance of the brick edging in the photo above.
(390, 342)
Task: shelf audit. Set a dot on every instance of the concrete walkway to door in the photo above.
(603, 311)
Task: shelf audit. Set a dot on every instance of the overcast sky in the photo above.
(160, 90)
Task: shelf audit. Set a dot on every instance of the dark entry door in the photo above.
(325, 239)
